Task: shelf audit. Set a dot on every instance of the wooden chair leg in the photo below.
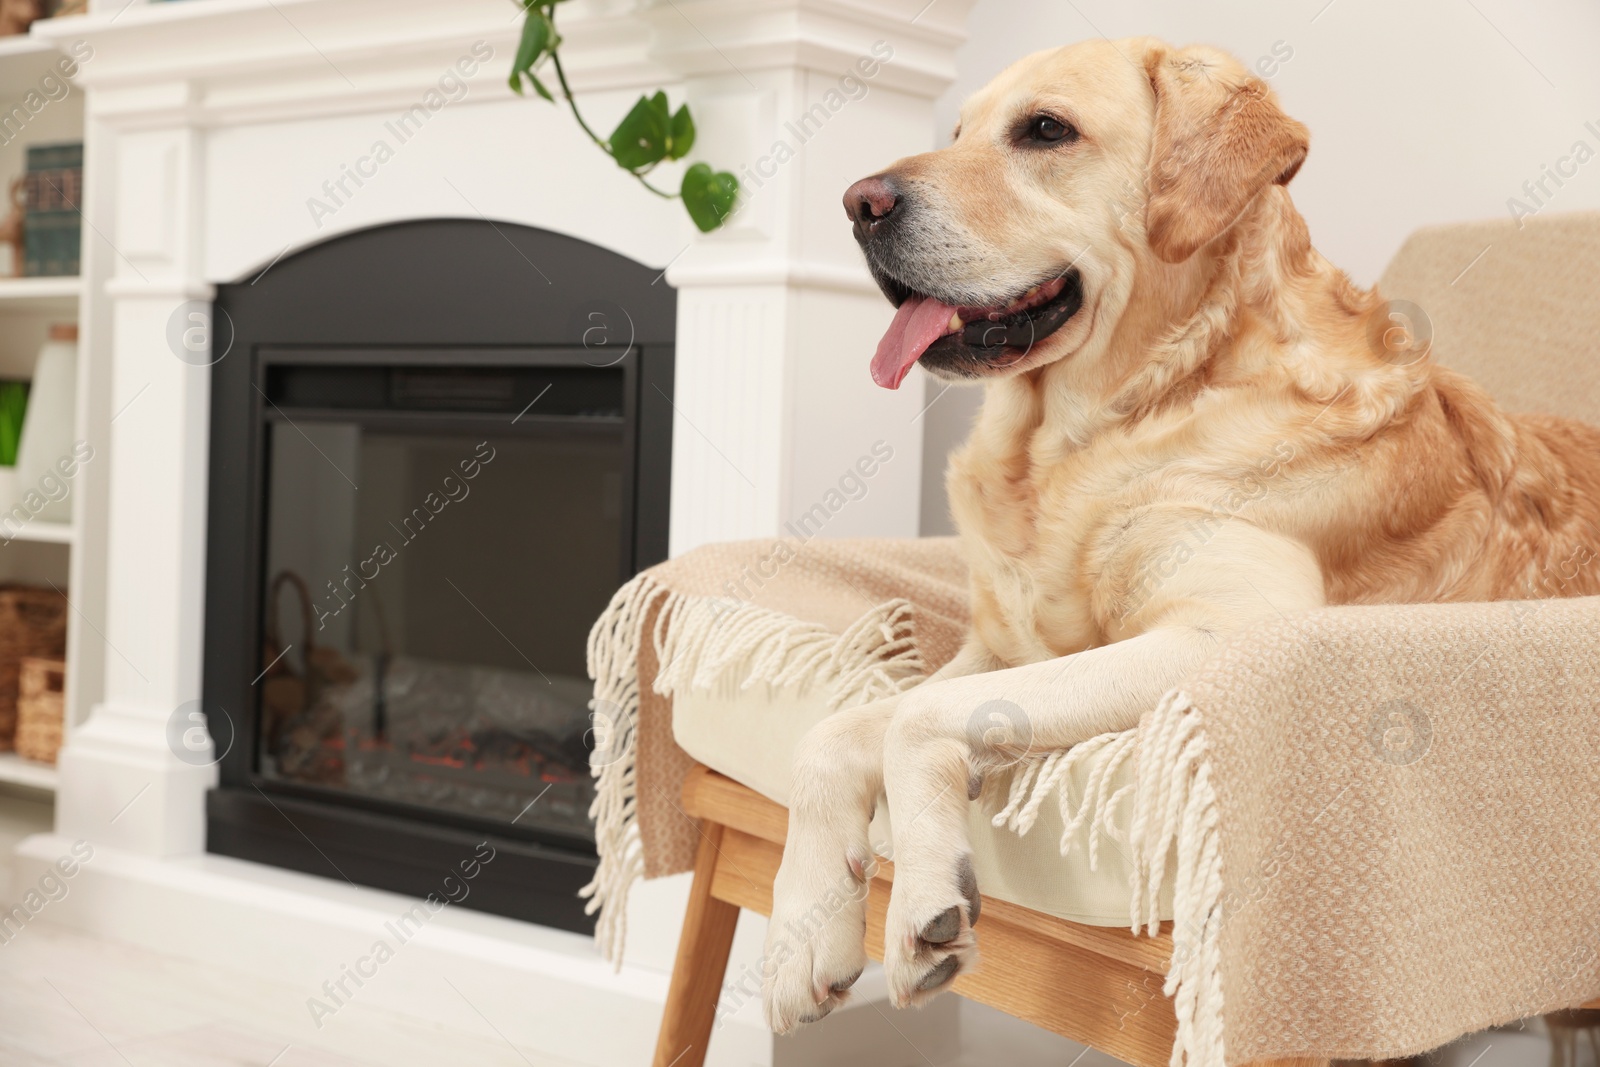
(702, 961)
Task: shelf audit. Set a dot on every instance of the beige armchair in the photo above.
(1395, 817)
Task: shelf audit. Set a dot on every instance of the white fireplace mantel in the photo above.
(212, 129)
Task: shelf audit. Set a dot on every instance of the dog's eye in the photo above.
(1047, 129)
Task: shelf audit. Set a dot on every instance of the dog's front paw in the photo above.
(815, 949)
(928, 935)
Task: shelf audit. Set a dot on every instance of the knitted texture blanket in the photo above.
(1379, 821)
(1383, 821)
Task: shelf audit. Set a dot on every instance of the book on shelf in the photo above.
(52, 225)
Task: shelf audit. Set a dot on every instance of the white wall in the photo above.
(1421, 112)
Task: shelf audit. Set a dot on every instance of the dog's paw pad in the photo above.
(941, 973)
(845, 983)
(967, 880)
(946, 926)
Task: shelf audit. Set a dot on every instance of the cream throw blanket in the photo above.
(836, 613)
(1380, 821)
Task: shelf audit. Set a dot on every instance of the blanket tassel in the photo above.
(706, 643)
(1175, 812)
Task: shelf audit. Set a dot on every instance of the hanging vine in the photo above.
(650, 133)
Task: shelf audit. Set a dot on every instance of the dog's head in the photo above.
(1073, 176)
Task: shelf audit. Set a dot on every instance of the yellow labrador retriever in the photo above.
(1110, 247)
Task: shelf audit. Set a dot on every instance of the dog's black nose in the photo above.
(870, 203)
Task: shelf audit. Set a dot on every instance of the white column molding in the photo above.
(121, 782)
(777, 316)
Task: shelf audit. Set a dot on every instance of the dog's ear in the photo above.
(1220, 139)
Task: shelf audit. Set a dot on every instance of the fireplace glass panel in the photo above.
(428, 595)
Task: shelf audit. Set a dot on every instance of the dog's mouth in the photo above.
(966, 339)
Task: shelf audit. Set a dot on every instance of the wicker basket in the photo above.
(41, 703)
(33, 622)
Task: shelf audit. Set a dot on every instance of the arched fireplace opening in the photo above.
(436, 449)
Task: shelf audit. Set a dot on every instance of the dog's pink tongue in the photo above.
(920, 321)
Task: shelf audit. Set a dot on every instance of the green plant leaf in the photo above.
(708, 196)
(640, 139)
(539, 87)
(682, 133)
(536, 32)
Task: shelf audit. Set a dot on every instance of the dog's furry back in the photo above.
(1268, 401)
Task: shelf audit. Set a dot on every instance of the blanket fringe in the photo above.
(1175, 806)
(708, 637)
(700, 643)
(1034, 779)
(613, 660)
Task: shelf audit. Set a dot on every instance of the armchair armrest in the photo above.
(1385, 824)
(1398, 667)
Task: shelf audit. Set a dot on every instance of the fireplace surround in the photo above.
(436, 448)
(208, 127)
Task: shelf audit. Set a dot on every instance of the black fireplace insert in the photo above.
(437, 448)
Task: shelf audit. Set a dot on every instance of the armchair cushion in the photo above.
(750, 736)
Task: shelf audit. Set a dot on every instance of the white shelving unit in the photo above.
(14, 770)
(39, 551)
(41, 296)
(23, 54)
(24, 45)
(46, 533)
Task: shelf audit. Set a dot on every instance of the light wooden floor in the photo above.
(76, 1001)
(69, 1000)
